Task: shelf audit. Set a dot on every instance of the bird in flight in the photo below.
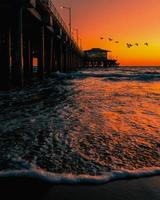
(146, 43)
(137, 44)
(129, 45)
(110, 39)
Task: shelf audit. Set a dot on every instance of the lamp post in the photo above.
(81, 43)
(70, 17)
(77, 35)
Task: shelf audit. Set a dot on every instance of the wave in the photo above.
(121, 74)
(107, 177)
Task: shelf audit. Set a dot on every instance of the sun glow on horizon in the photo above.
(124, 21)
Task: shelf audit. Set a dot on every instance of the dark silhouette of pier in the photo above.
(34, 42)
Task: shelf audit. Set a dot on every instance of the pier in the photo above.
(34, 42)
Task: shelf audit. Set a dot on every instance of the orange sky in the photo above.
(133, 21)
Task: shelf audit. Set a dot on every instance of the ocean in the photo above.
(92, 125)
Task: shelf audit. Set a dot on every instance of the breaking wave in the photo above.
(53, 178)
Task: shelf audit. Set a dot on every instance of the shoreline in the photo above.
(70, 178)
(146, 188)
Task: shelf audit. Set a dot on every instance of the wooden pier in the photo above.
(34, 42)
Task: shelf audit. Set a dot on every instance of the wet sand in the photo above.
(131, 189)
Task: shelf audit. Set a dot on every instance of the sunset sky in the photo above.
(127, 21)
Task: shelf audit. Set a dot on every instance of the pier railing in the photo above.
(51, 7)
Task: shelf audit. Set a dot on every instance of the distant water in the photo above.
(88, 122)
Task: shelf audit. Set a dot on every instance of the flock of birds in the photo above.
(128, 45)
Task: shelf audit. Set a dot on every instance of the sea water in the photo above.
(85, 126)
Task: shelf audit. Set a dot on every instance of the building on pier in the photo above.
(34, 36)
(97, 57)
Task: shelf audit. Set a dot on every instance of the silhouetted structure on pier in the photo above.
(98, 58)
(33, 39)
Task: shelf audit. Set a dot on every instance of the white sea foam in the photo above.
(107, 177)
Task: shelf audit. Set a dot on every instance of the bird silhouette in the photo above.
(129, 45)
(110, 39)
(146, 44)
(137, 44)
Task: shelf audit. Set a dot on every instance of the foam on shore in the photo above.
(54, 178)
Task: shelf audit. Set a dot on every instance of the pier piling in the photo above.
(34, 42)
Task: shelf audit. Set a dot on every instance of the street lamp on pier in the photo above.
(80, 40)
(77, 35)
(70, 17)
